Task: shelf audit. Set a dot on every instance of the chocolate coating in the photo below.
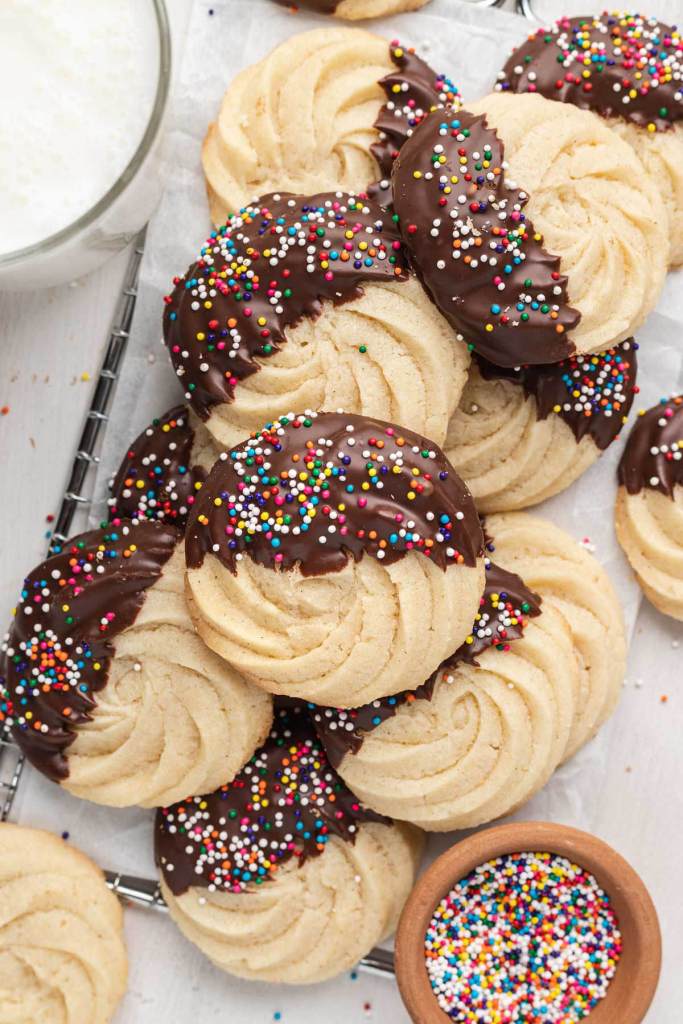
(477, 254)
(365, 486)
(156, 479)
(593, 394)
(288, 793)
(412, 92)
(324, 6)
(653, 456)
(505, 606)
(266, 269)
(618, 65)
(61, 642)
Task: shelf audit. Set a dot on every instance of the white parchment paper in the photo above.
(625, 786)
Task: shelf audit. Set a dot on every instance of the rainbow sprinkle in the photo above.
(619, 63)
(312, 489)
(286, 802)
(528, 937)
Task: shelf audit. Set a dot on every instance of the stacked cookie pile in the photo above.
(317, 622)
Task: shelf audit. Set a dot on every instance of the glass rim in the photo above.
(65, 234)
(526, 7)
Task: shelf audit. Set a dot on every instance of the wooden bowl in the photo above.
(631, 990)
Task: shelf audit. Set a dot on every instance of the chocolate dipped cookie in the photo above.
(108, 688)
(306, 302)
(330, 554)
(539, 673)
(355, 10)
(627, 68)
(282, 875)
(535, 229)
(649, 506)
(163, 469)
(327, 109)
(485, 731)
(520, 436)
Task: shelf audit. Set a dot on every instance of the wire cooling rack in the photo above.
(78, 497)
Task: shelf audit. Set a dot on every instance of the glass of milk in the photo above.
(84, 89)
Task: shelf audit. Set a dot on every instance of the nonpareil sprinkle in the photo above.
(528, 937)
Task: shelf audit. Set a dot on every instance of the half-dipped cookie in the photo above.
(539, 673)
(282, 875)
(649, 507)
(521, 436)
(356, 10)
(327, 109)
(330, 554)
(572, 581)
(626, 67)
(534, 228)
(482, 735)
(163, 469)
(109, 690)
(305, 302)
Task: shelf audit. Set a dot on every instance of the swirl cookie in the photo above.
(163, 469)
(571, 581)
(535, 229)
(520, 436)
(482, 735)
(330, 554)
(305, 303)
(109, 690)
(627, 68)
(649, 508)
(62, 954)
(327, 885)
(355, 10)
(327, 109)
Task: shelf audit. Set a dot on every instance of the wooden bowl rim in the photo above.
(638, 920)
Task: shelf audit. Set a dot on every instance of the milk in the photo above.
(77, 86)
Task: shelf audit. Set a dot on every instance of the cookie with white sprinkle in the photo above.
(520, 436)
(107, 687)
(163, 469)
(306, 302)
(282, 875)
(649, 506)
(626, 67)
(534, 227)
(329, 553)
(482, 735)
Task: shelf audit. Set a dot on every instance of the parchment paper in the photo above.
(624, 786)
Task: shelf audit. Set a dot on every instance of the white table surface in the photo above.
(50, 348)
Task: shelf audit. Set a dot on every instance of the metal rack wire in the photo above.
(76, 495)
